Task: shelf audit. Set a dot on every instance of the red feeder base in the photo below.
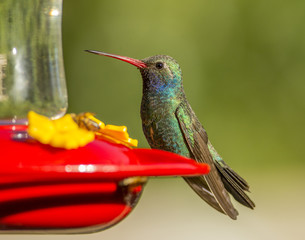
(45, 189)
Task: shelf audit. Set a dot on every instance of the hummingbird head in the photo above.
(161, 74)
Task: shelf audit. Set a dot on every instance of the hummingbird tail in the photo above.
(234, 184)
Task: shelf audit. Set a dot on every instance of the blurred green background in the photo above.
(244, 66)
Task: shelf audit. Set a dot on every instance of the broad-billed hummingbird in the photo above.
(170, 124)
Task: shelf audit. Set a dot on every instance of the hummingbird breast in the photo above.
(160, 125)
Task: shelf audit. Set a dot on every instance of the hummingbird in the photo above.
(170, 124)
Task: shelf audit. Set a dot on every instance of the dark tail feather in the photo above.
(234, 184)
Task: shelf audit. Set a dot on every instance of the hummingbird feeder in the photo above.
(50, 182)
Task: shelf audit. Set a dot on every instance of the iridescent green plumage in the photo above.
(162, 95)
(170, 124)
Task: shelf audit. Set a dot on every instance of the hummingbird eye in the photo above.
(159, 65)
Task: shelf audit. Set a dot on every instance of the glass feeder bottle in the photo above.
(31, 61)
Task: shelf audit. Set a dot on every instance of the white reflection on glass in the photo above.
(54, 12)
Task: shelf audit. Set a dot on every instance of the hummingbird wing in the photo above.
(196, 138)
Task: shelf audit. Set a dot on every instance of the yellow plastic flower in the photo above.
(111, 133)
(60, 133)
(117, 134)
